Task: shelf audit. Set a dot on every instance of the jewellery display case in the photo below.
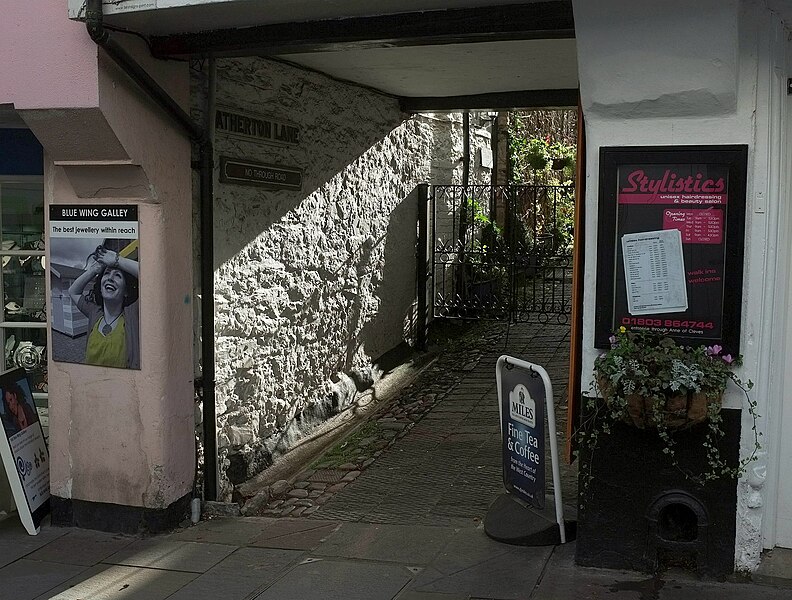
(23, 326)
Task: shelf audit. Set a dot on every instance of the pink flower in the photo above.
(612, 340)
(715, 350)
(727, 358)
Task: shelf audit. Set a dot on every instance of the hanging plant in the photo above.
(563, 155)
(652, 383)
(537, 155)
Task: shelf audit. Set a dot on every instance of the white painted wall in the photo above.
(312, 286)
(777, 525)
(673, 73)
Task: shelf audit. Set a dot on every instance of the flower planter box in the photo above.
(679, 412)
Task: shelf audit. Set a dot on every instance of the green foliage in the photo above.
(347, 450)
(544, 162)
(536, 157)
(653, 367)
(564, 226)
(487, 241)
(479, 216)
(657, 370)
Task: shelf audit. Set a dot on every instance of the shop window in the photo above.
(23, 328)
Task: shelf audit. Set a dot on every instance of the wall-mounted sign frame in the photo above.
(671, 242)
(245, 172)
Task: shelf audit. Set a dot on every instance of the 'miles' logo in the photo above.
(522, 407)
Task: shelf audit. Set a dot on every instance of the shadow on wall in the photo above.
(396, 298)
(312, 286)
(373, 336)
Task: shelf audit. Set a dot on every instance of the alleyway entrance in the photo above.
(433, 457)
(502, 252)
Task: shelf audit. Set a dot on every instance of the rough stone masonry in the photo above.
(312, 286)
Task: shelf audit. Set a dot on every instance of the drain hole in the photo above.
(678, 523)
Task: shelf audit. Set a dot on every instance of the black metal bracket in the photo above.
(509, 366)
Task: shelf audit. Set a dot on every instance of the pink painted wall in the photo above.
(124, 436)
(116, 436)
(47, 60)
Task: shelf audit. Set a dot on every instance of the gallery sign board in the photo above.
(94, 273)
(671, 243)
(23, 450)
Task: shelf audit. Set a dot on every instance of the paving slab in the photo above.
(238, 531)
(408, 544)
(240, 575)
(15, 542)
(413, 595)
(27, 579)
(563, 580)
(113, 582)
(339, 580)
(471, 547)
(82, 547)
(775, 568)
(295, 534)
(473, 564)
(507, 577)
(687, 590)
(172, 555)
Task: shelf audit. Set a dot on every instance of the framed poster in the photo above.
(671, 243)
(94, 272)
(23, 449)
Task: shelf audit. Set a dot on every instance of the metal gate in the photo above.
(501, 252)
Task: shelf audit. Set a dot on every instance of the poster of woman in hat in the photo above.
(95, 288)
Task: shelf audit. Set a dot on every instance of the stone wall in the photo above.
(312, 286)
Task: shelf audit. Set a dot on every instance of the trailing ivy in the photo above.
(649, 381)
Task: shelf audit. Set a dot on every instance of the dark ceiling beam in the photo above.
(537, 20)
(562, 98)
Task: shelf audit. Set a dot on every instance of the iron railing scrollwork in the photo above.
(501, 252)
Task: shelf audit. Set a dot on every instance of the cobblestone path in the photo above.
(446, 469)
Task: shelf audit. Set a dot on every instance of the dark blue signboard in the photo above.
(522, 396)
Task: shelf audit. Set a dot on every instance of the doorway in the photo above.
(503, 251)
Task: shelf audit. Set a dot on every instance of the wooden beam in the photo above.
(562, 98)
(537, 20)
(574, 398)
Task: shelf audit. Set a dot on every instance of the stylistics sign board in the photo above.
(522, 398)
(253, 173)
(670, 253)
(24, 450)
